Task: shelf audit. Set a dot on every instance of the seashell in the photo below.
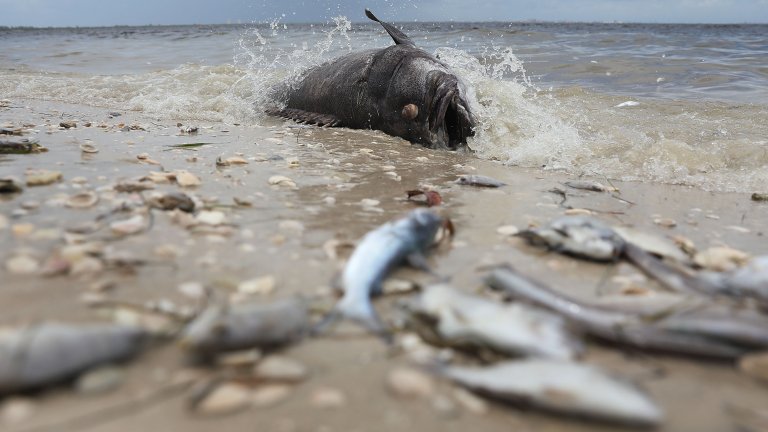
(129, 226)
(226, 398)
(278, 180)
(328, 398)
(22, 265)
(42, 177)
(187, 179)
(270, 395)
(281, 368)
(263, 285)
(409, 383)
(88, 148)
(82, 200)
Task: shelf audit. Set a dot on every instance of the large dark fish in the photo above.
(401, 90)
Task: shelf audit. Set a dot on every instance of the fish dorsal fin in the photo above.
(399, 37)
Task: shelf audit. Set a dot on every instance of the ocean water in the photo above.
(680, 104)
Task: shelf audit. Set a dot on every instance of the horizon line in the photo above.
(531, 21)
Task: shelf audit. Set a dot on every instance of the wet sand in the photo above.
(283, 234)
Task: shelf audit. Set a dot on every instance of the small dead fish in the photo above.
(560, 386)
(479, 180)
(718, 338)
(579, 236)
(511, 329)
(221, 327)
(589, 185)
(750, 281)
(380, 252)
(50, 353)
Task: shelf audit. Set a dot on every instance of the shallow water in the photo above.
(548, 94)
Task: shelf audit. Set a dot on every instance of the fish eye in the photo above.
(410, 112)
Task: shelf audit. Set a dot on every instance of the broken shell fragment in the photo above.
(129, 226)
(187, 179)
(281, 368)
(721, 258)
(82, 200)
(172, 201)
(22, 265)
(409, 383)
(279, 180)
(42, 177)
(224, 399)
(88, 148)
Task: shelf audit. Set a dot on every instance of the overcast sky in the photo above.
(45, 13)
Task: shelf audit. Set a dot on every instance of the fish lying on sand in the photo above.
(580, 236)
(45, 354)
(380, 252)
(479, 180)
(750, 281)
(460, 319)
(221, 327)
(560, 386)
(720, 336)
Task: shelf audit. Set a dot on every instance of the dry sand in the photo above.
(282, 235)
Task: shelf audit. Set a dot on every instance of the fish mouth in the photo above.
(450, 120)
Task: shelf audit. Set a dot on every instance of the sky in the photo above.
(70, 13)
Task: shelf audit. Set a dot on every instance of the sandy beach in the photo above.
(346, 183)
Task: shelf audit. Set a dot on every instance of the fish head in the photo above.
(425, 102)
(424, 225)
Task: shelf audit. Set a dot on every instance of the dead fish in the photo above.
(749, 281)
(479, 180)
(580, 236)
(642, 331)
(589, 185)
(380, 252)
(49, 353)
(512, 329)
(560, 386)
(221, 327)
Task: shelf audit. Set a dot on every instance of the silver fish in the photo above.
(589, 185)
(723, 338)
(512, 329)
(479, 180)
(580, 236)
(560, 386)
(221, 327)
(748, 281)
(48, 353)
(378, 254)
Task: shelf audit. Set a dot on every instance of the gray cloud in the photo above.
(137, 12)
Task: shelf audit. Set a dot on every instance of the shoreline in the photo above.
(338, 173)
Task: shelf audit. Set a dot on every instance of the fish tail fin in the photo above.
(364, 316)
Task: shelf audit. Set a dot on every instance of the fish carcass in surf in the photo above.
(401, 90)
